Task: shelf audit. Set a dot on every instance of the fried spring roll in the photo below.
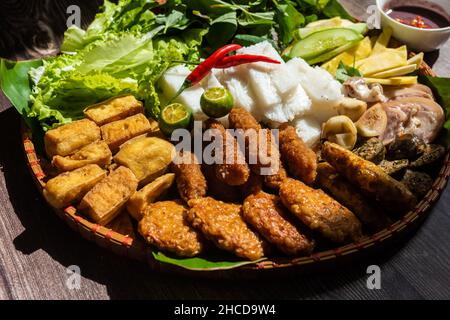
(371, 179)
(343, 191)
(114, 109)
(69, 187)
(68, 138)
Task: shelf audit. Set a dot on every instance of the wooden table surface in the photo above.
(36, 246)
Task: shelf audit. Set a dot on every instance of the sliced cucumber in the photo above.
(324, 41)
(333, 53)
(304, 32)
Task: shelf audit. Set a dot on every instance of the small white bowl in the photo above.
(417, 39)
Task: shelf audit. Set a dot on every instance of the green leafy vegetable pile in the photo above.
(130, 44)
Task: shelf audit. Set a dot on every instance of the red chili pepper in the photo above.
(205, 67)
(232, 61)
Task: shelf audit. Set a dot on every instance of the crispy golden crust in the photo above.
(69, 187)
(340, 189)
(370, 178)
(191, 182)
(253, 185)
(165, 226)
(320, 212)
(275, 181)
(68, 138)
(222, 223)
(114, 109)
(265, 213)
(117, 132)
(262, 151)
(300, 159)
(233, 171)
(104, 202)
(94, 153)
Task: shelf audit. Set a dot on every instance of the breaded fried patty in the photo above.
(191, 182)
(222, 223)
(320, 212)
(266, 214)
(165, 226)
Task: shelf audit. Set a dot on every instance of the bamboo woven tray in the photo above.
(134, 248)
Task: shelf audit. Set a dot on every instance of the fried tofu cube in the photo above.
(147, 157)
(68, 138)
(69, 187)
(118, 132)
(114, 109)
(105, 200)
(95, 153)
(148, 194)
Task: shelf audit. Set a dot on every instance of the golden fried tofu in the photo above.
(95, 153)
(114, 109)
(118, 132)
(107, 198)
(147, 157)
(222, 223)
(68, 138)
(320, 212)
(148, 194)
(165, 226)
(69, 187)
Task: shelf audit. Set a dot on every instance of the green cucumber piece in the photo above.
(333, 53)
(302, 33)
(324, 41)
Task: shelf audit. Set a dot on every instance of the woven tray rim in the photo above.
(127, 246)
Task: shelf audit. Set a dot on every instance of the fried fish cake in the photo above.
(114, 109)
(301, 161)
(69, 187)
(320, 212)
(370, 178)
(118, 132)
(373, 218)
(94, 153)
(147, 157)
(232, 169)
(68, 138)
(164, 225)
(105, 200)
(148, 194)
(191, 182)
(222, 223)
(265, 213)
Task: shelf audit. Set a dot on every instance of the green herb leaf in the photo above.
(200, 264)
(222, 29)
(345, 72)
(289, 19)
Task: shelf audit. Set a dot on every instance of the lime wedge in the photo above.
(216, 102)
(174, 116)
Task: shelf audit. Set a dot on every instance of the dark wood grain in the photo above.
(36, 247)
